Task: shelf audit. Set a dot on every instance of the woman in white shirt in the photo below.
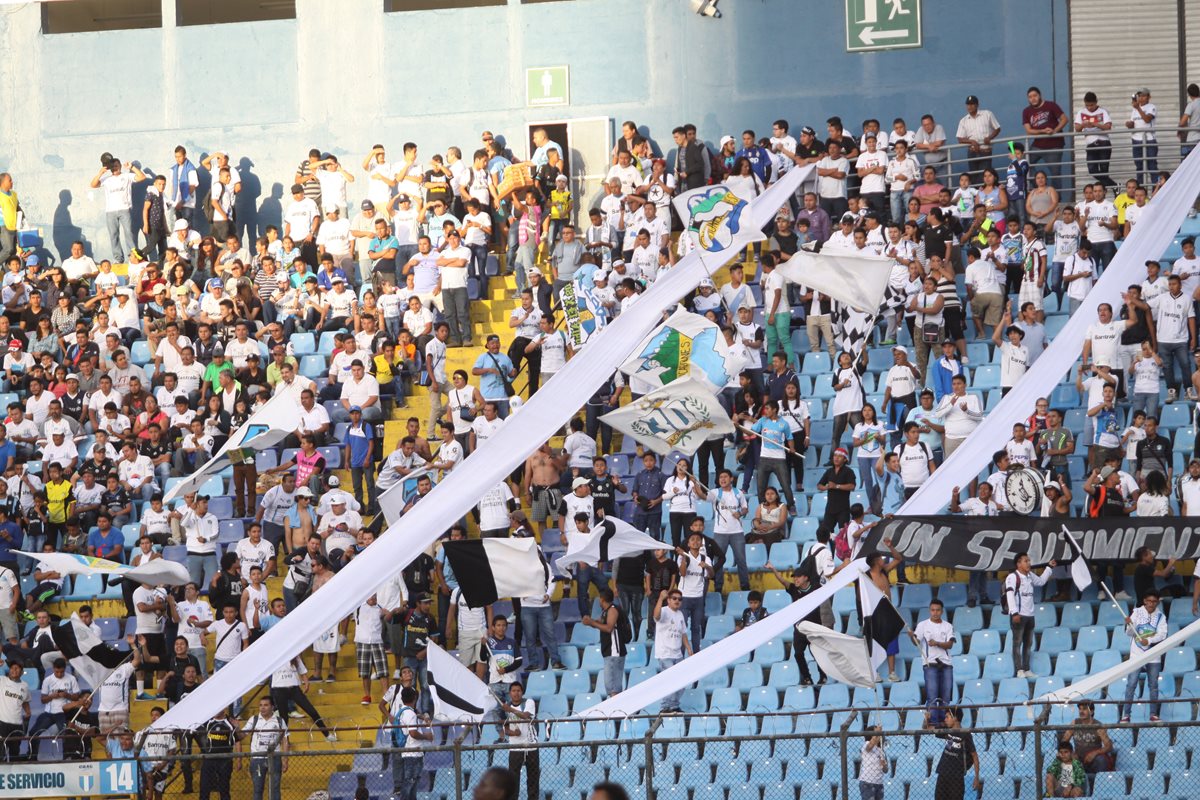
(794, 411)
(868, 439)
(1156, 500)
(848, 397)
(680, 493)
(1147, 379)
(742, 181)
(462, 396)
(926, 307)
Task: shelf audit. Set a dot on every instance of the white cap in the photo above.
(575, 484)
(724, 139)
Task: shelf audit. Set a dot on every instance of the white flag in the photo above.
(457, 693)
(160, 570)
(610, 539)
(839, 655)
(718, 222)
(856, 280)
(267, 427)
(680, 416)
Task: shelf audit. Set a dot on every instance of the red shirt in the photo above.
(1044, 116)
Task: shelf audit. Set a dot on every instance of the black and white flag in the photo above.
(881, 622)
(457, 693)
(88, 655)
(489, 569)
(612, 538)
(1081, 574)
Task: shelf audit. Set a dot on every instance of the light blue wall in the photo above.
(345, 75)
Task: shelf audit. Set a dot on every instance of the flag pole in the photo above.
(1077, 552)
(785, 445)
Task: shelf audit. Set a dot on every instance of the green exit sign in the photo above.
(547, 86)
(882, 24)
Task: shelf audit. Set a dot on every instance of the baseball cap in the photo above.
(33, 260)
(725, 139)
(333, 482)
(1052, 485)
(338, 500)
(367, 205)
(533, 271)
(847, 217)
(808, 130)
(600, 275)
(1107, 471)
(337, 279)
(332, 210)
(72, 376)
(15, 344)
(870, 135)
(575, 484)
(304, 491)
(899, 348)
(215, 283)
(160, 288)
(422, 598)
(972, 100)
(355, 409)
(181, 224)
(707, 282)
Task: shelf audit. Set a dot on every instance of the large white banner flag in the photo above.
(839, 655)
(680, 416)
(856, 280)
(724, 652)
(265, 428)
(549, 409)
(160, 570)
(686, 345)
(1153, 233)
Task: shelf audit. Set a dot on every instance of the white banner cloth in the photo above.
(722, 653)
(547, 411)
(856, 280)
(160, 570)
(266, 427)
(1148, 240)
(839, 655)
(1094, 683)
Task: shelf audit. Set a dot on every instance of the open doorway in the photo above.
(585, 147)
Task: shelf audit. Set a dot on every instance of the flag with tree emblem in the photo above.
(687, 345)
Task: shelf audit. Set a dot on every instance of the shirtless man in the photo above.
(420, 443)
(542, 472)
(878, 570)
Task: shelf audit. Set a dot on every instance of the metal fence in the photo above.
(744, 756)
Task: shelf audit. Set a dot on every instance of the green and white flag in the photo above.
(681, 416)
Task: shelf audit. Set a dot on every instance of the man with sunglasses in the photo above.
(671, 643)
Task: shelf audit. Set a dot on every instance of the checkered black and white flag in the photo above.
(852, 327)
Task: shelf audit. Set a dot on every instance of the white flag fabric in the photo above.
(722, 653)
(680, 416)
(686, 345)
(719, 223)
(549, 409)
(839, 655)
(1155, 230)
(1081, 574)
(610, 539)
(267, 427)
(856, 280)
(1092, 684)
(158, 571)
(582, 314)
(458, 695)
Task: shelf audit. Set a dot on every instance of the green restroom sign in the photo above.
(882, 24)
(547, 86)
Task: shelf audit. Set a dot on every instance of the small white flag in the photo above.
(1081, 574)
(457, 693)
(611, 538)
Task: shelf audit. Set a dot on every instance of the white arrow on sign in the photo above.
(869, 35)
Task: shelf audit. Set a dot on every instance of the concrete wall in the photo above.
(344, 75)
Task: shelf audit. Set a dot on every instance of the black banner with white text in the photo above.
(992, 543)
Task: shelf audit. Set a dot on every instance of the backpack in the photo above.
(924, 449)
(208, 207)
(808, 566)
(624, 629)
(841, 542)
(1004, 595)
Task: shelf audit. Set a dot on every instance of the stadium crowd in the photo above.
(123, 374)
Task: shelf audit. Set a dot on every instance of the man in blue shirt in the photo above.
(543, 146)
(8, 450)
(772, 457)
(360, 443)
(11, 538)
(759, 158)
(382, 252)
(495, 372)
(647, 497)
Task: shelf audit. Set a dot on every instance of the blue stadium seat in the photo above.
(816, 364)
(916, 596)
(1077, 615)
(770, 652)
(1092, 639)
(966, 619)
(756, 557)
(140, 353)
(985, 642)
(1055, 640)
(966, 667)
(1175, 415)
(86, 587)
(1070, 664)
(998, 665)
(313, 366)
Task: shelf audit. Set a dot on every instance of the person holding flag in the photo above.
(772, 458)
(1146, 626)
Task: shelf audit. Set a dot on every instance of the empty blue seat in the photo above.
(916, 596)
(313, 366)
(1077, 615)
(1175, 415)
(985, 642)
(1055, 640)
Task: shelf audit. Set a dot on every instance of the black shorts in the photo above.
(155, 644)
(953, 317)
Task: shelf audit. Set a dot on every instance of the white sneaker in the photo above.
(1121, 595)
(1021, 674)
(332, 737)
(1171, 395)
(1030, 673)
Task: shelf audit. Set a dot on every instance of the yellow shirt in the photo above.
(560, 203)
(8, 209)
(1122, 202)
(58, 496)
